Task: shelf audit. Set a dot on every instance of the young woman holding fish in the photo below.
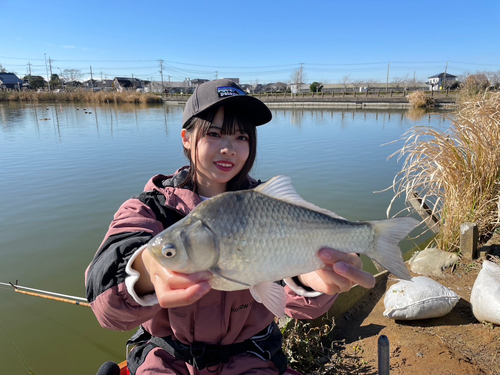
(187, 326)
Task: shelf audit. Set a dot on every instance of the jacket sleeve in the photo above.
(300, 307)
(133, 225)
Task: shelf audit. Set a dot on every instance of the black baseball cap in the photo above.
(224, 92)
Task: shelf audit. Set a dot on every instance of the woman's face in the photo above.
(218, 157)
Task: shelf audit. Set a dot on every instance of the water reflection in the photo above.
(419, 116)
(104, 117)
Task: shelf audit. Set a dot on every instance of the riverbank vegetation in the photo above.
(419, 99)
(456, 172)
(80, 96)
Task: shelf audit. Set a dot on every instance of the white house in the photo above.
(440, 81)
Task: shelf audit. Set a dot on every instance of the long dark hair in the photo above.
(233, 121)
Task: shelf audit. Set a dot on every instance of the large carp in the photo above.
(248, 239)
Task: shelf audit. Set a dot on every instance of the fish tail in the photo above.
(386, 251)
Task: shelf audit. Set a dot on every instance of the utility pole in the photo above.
(161, 72)
(216, 74)
(444, 76)
(50, 66)
(29, 74)
(47, 70)
(387, 83)
(91, 78)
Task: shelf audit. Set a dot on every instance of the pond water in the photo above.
(66, 168)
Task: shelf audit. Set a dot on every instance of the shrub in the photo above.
(311, 350)
(457, 171)
(81, 95)
(418, 99)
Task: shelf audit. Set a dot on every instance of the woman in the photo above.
(185, 326)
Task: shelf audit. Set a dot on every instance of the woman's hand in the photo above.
(341, 272)
(172, 289)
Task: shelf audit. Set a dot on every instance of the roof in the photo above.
(448, 75)
(10, 79)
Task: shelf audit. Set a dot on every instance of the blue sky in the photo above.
(256, 41)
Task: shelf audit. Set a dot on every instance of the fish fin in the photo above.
(386, 251)
(281, 188)
(217, 272)
(270, 295)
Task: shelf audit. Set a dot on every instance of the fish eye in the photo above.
(168, 251)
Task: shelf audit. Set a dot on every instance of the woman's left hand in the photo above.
(341, 272)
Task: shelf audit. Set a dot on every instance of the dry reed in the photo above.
(81, 96)
(418, 99)
(455, 172)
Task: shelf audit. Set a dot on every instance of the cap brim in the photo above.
(249, 106)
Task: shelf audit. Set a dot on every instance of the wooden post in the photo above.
(425, 212)
(468, 240)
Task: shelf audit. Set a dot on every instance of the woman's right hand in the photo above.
(172, 289)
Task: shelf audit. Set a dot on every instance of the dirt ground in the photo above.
(454, 344)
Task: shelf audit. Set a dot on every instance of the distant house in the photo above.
(98, 85)
(169, 87)
(300, 88)
(441, 81)
(127, 84)
(198, 81)
(10, 81)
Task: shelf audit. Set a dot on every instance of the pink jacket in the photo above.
(220, 318)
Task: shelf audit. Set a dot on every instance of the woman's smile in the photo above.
(225, 166)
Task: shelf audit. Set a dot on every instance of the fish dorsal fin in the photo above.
(281, 188)
(272, 296)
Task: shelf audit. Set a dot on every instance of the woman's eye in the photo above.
(213, 134)
(243, 138)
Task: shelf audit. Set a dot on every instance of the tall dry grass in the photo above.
(456, 172)
(418, 99)
(81, 96)
(472, 87)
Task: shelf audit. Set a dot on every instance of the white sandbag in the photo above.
(420, 298)
(485, 295)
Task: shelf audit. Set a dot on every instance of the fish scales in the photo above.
(264, 239)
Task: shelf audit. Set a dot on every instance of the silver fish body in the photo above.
(250, 237)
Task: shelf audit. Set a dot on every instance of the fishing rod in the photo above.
(49, 295)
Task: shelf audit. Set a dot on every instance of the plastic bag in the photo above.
(420, 298)
(485, 295)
